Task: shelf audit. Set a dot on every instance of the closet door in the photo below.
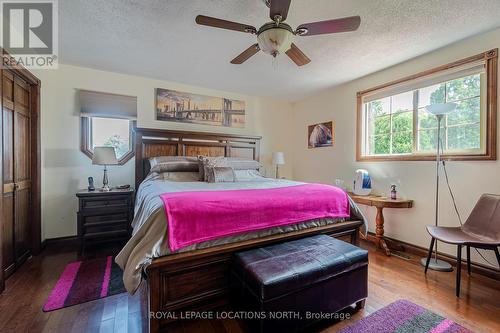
(8, 173)
(22, 174)
(16, 172)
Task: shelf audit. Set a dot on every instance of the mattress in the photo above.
(149, 236)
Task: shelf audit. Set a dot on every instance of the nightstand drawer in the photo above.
(106, 234)
(102, 229)
(105, 202)
(102, 224)
(103, 219)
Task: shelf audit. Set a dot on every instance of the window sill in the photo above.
(479, 157)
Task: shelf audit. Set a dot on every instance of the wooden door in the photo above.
(22, 174)
(8, 173)
(16, 171)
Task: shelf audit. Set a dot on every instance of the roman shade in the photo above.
(477, 67)
(106, 105)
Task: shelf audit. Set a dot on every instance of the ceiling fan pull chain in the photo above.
(274, 63)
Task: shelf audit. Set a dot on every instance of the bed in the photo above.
(196, 277)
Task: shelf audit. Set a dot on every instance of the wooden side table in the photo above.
(380, 203)
(104, 216)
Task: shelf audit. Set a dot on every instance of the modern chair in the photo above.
(481, 230)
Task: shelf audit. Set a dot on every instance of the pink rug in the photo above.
(83, 281)
(404, 317)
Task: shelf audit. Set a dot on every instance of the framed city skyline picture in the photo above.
(320, 135)
(172, 105)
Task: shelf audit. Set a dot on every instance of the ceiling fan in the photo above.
(276, 37)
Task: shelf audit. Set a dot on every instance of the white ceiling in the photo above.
(159, 39)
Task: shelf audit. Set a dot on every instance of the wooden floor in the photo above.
(390, 279)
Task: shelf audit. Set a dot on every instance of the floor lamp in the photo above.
(438, 110)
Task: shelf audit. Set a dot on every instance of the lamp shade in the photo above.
(441, 108)
(104, 156)
(278, 158)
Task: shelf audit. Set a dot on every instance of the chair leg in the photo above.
(429, 255)
(468, 260)
(498, 255)
(459, 268)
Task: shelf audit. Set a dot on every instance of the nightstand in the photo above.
(104, 216)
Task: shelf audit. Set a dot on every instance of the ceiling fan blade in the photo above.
(279, 7)
(223, 24)
(329, 27)
(245, 55)
(297, 56)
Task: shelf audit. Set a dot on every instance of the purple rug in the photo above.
(403, 316)
(83, 281)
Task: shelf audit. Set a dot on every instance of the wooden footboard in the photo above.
(199, 280)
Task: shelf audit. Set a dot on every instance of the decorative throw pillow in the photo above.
(201, 167)
(210, 162)
(220, 175)
(236, 163)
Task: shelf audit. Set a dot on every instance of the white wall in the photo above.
(282, 126)
(65, 169)
(416, 180)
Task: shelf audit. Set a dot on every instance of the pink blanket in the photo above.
(195, 217)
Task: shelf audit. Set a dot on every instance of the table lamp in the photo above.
(439, 110)
(278, 159)
(104, 156)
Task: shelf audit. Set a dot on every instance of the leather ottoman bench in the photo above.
(288, 286)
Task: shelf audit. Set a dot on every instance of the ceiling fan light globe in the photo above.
(275, 41)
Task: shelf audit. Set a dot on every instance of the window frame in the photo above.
(490, 152)
(85, 140)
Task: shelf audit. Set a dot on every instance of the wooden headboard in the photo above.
(155, 142)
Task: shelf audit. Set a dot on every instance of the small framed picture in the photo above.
(320, 135)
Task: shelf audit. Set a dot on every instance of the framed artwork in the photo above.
(172, 105)
(320, 135)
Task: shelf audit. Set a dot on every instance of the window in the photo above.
(108, 132)
(108, 120)
(394, 125)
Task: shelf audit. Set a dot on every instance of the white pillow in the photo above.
(248, 176)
